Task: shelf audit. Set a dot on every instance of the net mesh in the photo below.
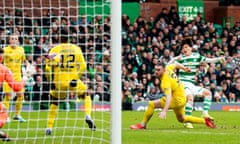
(37, 23)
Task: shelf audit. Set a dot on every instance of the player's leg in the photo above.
(189, 105)
(81, 90)
(179, 112)
(149, 112)
(19, 104)
(7, 96)
(53, 110)
(181, 117)
(178, 106)
(6, 102)
(3, 119)
(207, 99)
(3, 115)
(4, 136)
(88, 111)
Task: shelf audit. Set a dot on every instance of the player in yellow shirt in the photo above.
(67, 63)
(7, 76)
(14, 57)
(174, 98)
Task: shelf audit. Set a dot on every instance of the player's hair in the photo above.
(1, 50)
(63, 35)
(9, 36)
(162, 64)
(187, 41)
(238, 77)
(235, 81)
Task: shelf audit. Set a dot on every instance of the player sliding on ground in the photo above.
(67, 65)
(174, 98)
(7, 76)
(193, 61)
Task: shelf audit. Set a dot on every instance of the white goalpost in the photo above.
(116, 46)
(93, 25)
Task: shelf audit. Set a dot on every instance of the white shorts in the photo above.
(191, 89)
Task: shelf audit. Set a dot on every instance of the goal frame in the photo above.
(116, 46)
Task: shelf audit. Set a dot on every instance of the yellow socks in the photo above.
(52, 115)
(88, 106)
(19, 103)
(148, 113)
(6, 101)
(193, 119)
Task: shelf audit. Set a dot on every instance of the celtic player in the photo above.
(193, 60)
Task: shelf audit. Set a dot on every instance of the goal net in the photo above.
(37, 24)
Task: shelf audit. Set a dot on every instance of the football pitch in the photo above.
(69, 128)
(169, 131)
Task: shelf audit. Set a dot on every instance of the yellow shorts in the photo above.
(61, 89)
(177, 104)
(8, 89)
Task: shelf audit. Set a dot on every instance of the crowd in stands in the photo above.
(144, 43)
(38, 35)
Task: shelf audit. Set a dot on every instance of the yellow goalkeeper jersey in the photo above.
(67, 64)
(13, 59)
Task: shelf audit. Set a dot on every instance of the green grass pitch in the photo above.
(69, 128)
(168, 131)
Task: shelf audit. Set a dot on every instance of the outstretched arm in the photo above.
(181, 66)
(214, 60)
(53, 59)
(163, 113)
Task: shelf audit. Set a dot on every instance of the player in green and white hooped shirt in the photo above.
(193, 60)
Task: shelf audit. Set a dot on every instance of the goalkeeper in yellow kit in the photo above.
(174, 98)
(67, 63)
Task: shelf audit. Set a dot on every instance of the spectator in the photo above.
(219, 96)
(173, 16)
(166, 56)
(134, 78)
(163, 14)
(235, 91)
(138, 96)
(100, 94)
(127, 100)
(145, 41)
(28, 70)
(226, 90)
(153, 94)
(41, 92)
